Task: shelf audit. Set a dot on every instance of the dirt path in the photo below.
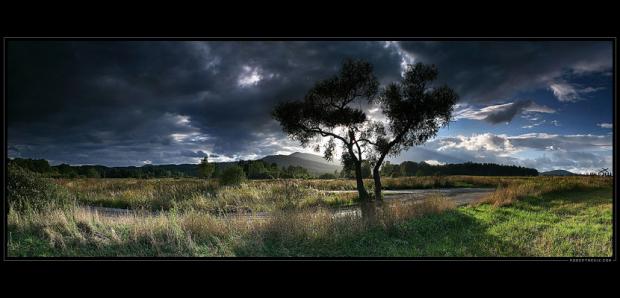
(461, 196)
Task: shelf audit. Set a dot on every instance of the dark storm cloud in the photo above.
(135, 102)
(507, 114)
(157, 100)
(488, 71)
(190, 153)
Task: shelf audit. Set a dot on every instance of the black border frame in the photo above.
(229, 260)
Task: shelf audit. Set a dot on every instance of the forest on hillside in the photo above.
(258, 169)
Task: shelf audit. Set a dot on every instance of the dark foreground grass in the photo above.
(567, 223)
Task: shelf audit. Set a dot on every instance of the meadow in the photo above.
(251, 196)
(525, 216)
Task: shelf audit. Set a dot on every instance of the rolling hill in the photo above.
(313, 163)
(558, 173)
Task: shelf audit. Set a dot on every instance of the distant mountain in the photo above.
(313, 163)
(558, 173)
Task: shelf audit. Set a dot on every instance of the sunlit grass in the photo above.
(533, 216)
(254, 196)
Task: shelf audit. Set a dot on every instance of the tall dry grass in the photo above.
(402, 182)
(80, 231)
(514, 190)
(273, 195)
(399, 211)
(205, 195)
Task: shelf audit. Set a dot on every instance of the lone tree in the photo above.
(414, 110)
(333, 109)
(205, 169)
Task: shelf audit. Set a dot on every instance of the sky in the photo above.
(541, 104)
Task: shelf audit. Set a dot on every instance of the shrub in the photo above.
(232, 176)
(28, 190)
(327, 176)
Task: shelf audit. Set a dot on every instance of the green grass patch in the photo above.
(546, 217)
(560, 224)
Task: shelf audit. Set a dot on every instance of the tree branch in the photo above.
(327, 133)
(367, 141)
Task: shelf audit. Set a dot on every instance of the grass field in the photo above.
(533, 216)
(255, 195)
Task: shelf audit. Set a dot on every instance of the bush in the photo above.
(232, 176)
(327, 176)
(28, 190)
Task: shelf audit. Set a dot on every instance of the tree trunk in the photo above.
(369, 211)
(377, 177)
(366, 205)
(361, 190)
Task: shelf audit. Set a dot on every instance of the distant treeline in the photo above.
(254, 169)
(411, 168)
(258, 169)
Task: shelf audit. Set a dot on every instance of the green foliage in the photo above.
(390, 170)
(330, 103)
(411, 168)
(205, 169)
(29, 191)
(415, 110)
(328, 176)
(92, 173)
(258, 169)
(233, 175)
(366, 170)
(66, 170)
(33, 165)
(295, 172)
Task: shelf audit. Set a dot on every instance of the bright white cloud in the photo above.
(535, 108)
(434, 162)
(579, 153)
(250, 76)
(565, 92)
(182, 120)
(405, 57)
(474, 114)
(584, 67)
(533, 124)
(500, 112)
(179, 137)
(499, 144)
(605, 125)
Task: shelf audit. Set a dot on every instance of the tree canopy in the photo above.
(332, 108)
(205, 169)
(415, 110)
